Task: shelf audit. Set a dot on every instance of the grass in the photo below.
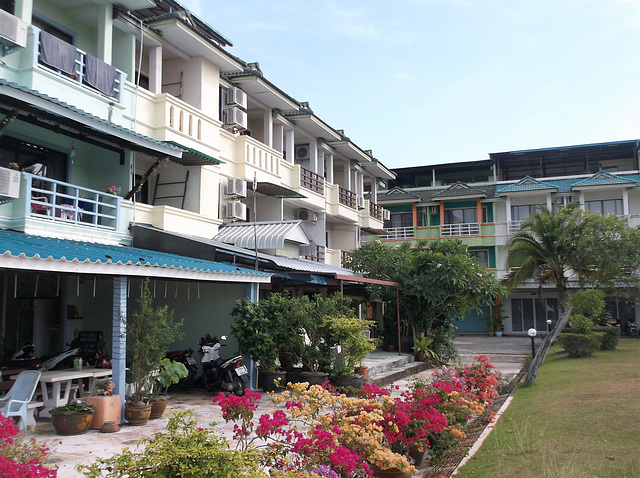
(581, 419)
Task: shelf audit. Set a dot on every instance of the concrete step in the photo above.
(398, 372)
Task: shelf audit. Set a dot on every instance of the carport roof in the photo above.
(46, 254)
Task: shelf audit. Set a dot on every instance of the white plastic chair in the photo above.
(14, 403)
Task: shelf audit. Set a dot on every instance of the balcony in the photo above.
(371, 217)
(311, 181)
(399, 233)
(341, 204)
(66, 61)
(66, 203)
(346, 197)
(463, 229)
(315, 254)
(375, 211)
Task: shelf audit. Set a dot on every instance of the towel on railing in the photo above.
(57, 53)
(100, 75)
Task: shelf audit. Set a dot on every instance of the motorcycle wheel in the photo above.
(209, 384)
(238, 387)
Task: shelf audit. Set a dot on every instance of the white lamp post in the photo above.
(532, 333)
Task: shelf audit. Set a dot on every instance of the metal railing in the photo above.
(68, 203)
(399, 233)
(464, 229)
(318, 256)
(346, 197)
(311, 181)
(515, 225)
(79, 72)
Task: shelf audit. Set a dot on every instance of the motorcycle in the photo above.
(25, 358)
(230, 375)
(185, 357)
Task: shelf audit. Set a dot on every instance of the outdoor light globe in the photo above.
(532, 332)
(548, 321)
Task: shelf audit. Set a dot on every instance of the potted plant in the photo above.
(168, 373)
(494, 320)
(348, 333)
(149, 333)
(72, 419)
(423, 350)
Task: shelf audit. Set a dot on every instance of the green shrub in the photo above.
(185, 450)
(580, 345)
(611, 337)
(580, 324)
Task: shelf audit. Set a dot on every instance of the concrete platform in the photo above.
(506, 354)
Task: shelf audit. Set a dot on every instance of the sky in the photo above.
(439, 81)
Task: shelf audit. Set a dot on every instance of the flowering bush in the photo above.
(19, 458)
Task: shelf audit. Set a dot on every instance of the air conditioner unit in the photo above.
(386, 215)
(307, 215)
(13, 32)
(9, 183)
(236, 210)
(435, 210)
(360, 202)
(302, 151)
(235, 96)
(235, 117)
(237, 187)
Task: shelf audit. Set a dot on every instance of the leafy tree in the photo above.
(438, 282)
(550, 247)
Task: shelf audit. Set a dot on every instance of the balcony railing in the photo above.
(94, 76)
(399, 233)
(465, 229)
(515, 225)
(375, 211)
(317, 255)
(71, 204)
(347, 197)
(311, 181)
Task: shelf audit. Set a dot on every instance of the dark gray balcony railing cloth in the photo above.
(99, 74)
(57, 53)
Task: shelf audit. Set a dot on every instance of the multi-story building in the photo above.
(483, 202)
(130, 127)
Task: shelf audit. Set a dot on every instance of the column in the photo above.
(581, 199)
(549, 202)
(329, 166)
(625, 203)
(119, 337)
(253, 295)
(508, 212)
(155, 70)
(105, 32)
(24, 10)
(313, 155)
(290, 146)
(320, 171)
(347, 175)
(278, 137)
(268, 128)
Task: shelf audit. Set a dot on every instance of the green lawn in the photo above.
(581, 419)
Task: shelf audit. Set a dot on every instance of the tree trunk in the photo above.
(536, 363)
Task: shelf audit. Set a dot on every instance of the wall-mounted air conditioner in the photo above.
(235, 96)
(236, 210)
(9, 183)
(302, 152)
(360, 202)
(386, 215)
(237, 187)
(435, 210)
(307, 215)
(13, 33)
(235, 117)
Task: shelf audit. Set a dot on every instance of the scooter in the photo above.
(230, 375)
(25, 358)
(185, 357)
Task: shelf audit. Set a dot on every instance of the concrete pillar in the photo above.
(155, 70)
(549, 202)
(278, 137)
(625, 202)
(329, 166)
(320, 171)
(253, 290)
(347, 175)
(105, 32)
(581, 199)
(313, 155)
(119, 337)
(290, 146)
(508, 212)
(24, 10)
(268, 128)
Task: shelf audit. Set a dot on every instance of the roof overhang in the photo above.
(262, 235)
(45, 254)
(41, 110)
(193, 157)
(378, 170)
(277, 191)
(264, 91)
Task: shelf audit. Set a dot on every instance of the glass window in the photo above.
(533, 313)
(520, 213)
(605, 206)
(464, 216)
(482, 256)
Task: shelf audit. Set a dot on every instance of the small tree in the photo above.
(150, 331)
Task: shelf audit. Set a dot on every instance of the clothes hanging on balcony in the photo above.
(57, 53)
(100, 75)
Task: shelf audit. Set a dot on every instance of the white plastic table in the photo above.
(61, 385)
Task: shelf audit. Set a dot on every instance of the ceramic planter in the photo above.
(158, 406)
(71, 422)
(267, 380)
(137, 414)
(314, 378)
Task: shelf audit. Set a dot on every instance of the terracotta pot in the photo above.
(267, 380)
(364, 371)
(71, 423)
(390, 473)
(314, 378)
(137, 414)
(158, 406)
(416, 454)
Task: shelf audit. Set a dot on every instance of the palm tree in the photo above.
(543, 249)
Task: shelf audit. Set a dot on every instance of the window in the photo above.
(463, 216)
(520, 213)
(605, 206)
(402, 219)
(533, 313)
(482, 256)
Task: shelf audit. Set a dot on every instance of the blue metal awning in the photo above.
(36, 253)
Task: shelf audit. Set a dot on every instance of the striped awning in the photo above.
(269, 235)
